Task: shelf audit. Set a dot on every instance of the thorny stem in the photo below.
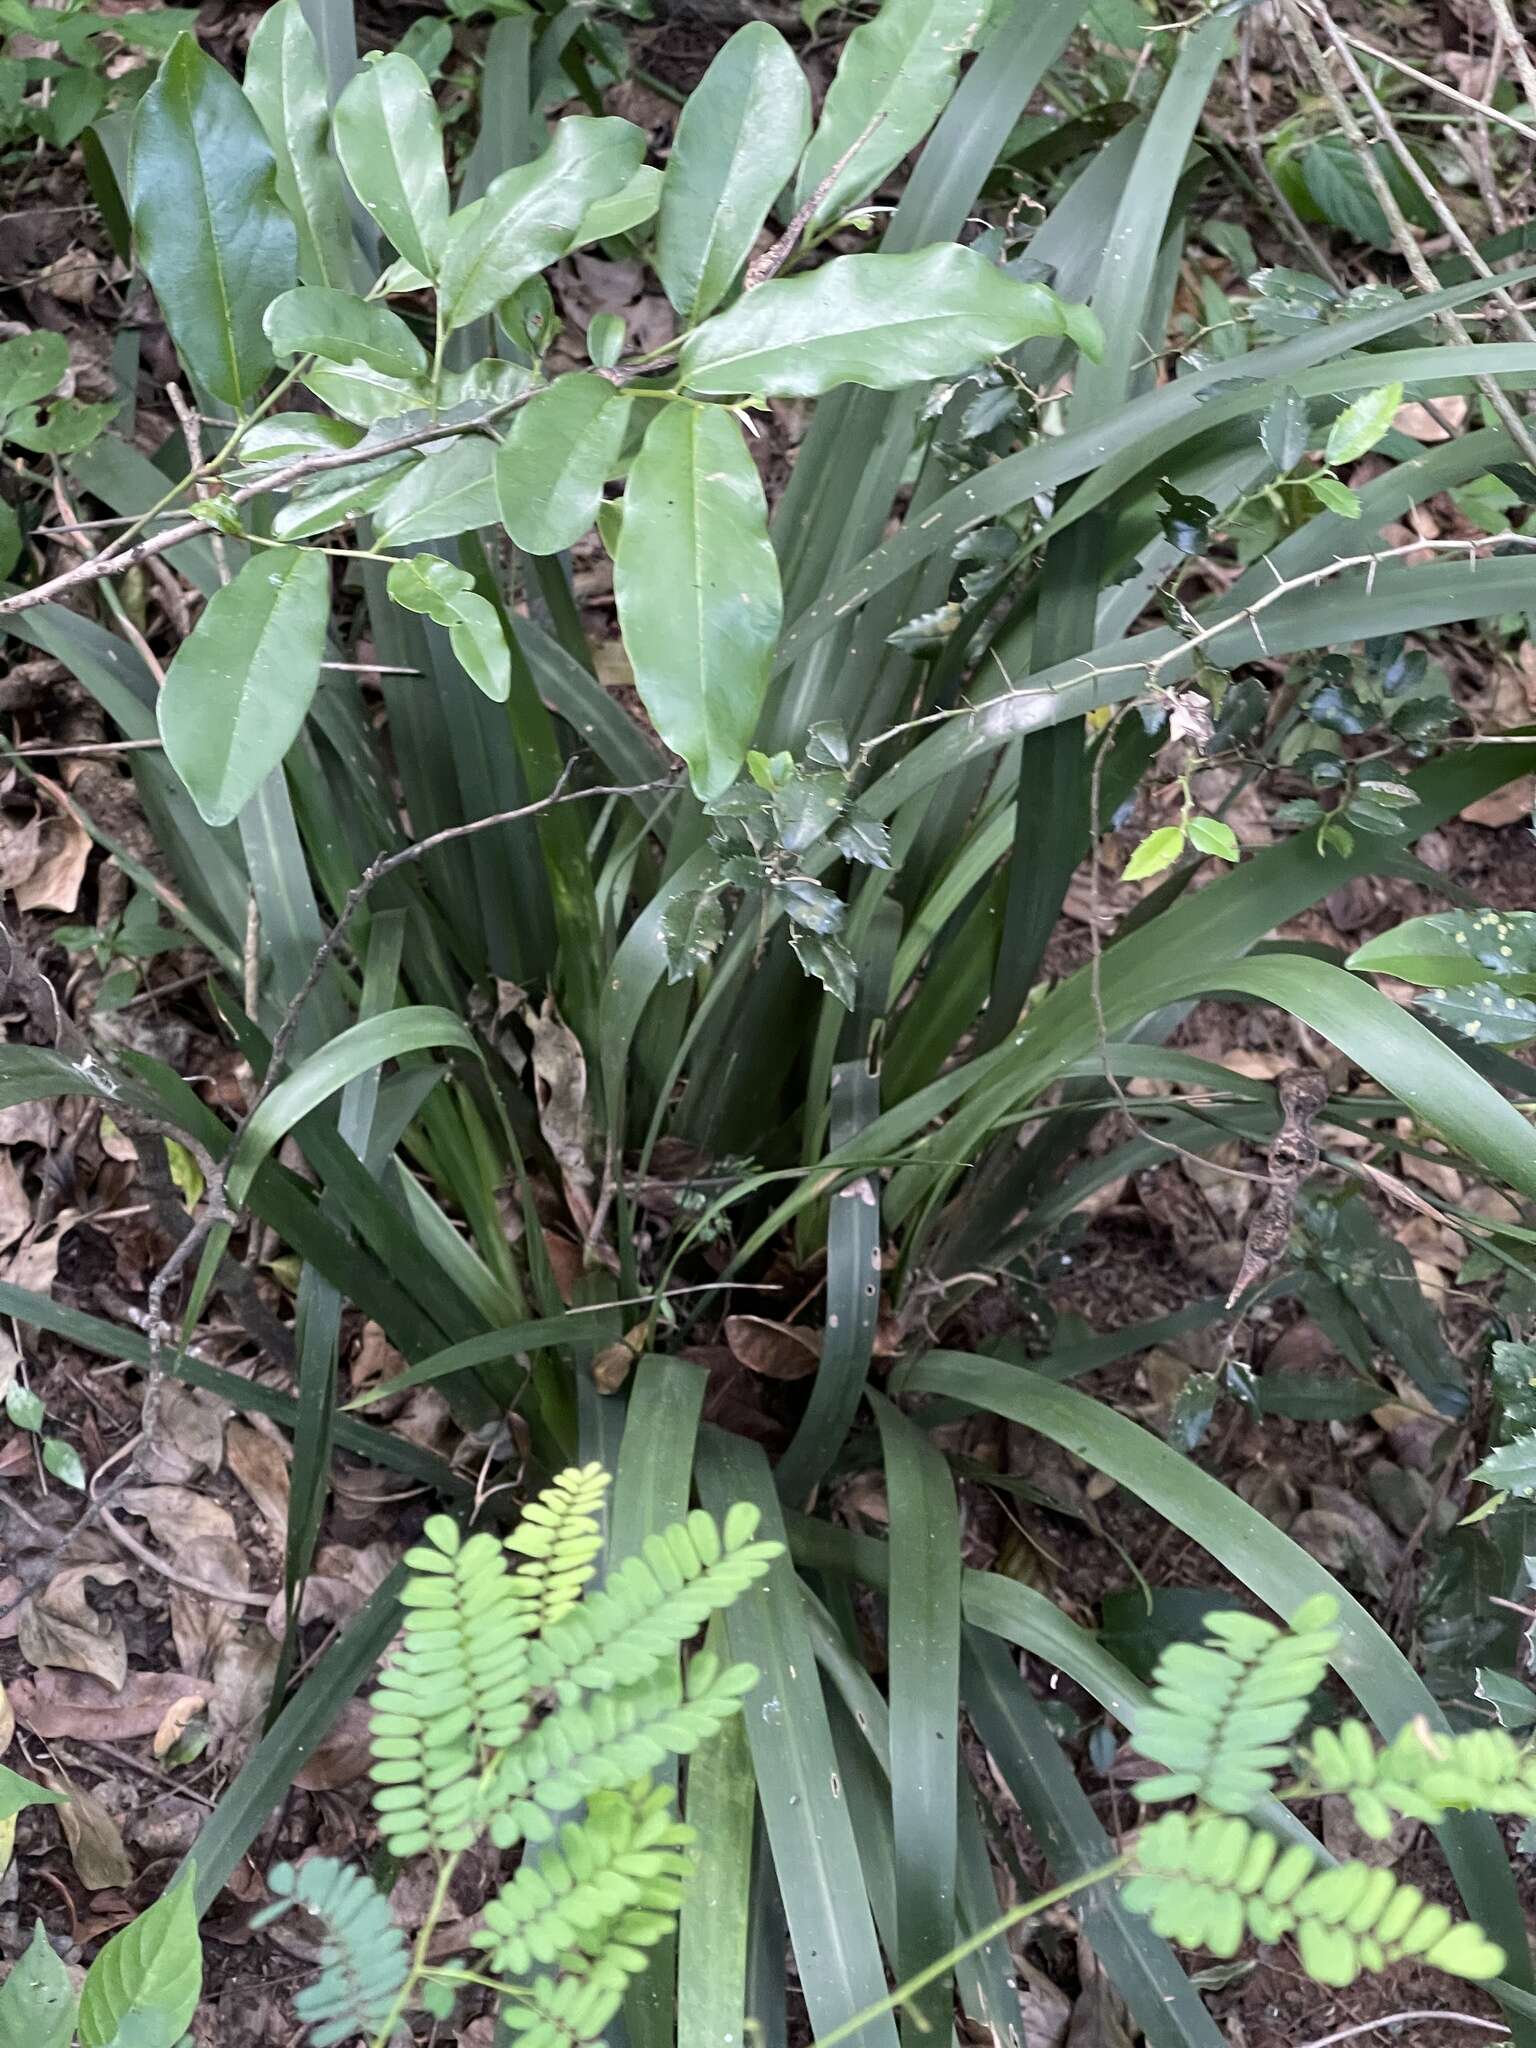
(1030, 1910)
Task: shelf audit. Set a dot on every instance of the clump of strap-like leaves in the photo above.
(523, 1707)
(1224, 1722)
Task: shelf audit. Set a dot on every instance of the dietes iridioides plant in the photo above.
(525, 1709)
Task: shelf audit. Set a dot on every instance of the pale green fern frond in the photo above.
(615, 1875)
(363, 1959)
(1422, 1773)
(454, 1693)
(600, 1744)
(1207, 1882)
(559, 1538)
(652, 1602)
(1224, 1711)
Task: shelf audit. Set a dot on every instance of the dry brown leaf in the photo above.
(374, 1359)
(94, 1838)
(35, 1264)
(1418, 424)
(1505, 806)
(70, 1706)
(242, 1684)
(7, 1721)
(261, 1466)
(180, 1518)
(614, 1363)
(62, 1631)
(202, 1626)
(190, 1438)
(15, 1208)
(342, 1579)
(560, 1084)
(54, 883)
(175, 1722)
(342, 1756)
(777, 1351)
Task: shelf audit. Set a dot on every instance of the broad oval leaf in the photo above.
(285, 83)
(559, 452)
(884, 321)
(697, 585)
(897, 70)
(322, 502)
(314, 320)
(17, 1792)
(738, 141)
(236, 694)
(1454, 949)
(366, 396)
(1284, 431)
(449, 490)
(31, 366)
(531, 214)
(447, 595)
(37, 1999)
(1360, 426)
(212, 236)
(629, 208)
(391, 148)
(151, 1967)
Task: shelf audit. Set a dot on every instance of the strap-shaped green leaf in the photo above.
(212, 236)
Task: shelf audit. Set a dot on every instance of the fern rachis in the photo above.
(516, 1698)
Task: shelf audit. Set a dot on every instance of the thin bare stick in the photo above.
(1398, 2019)
(113, 560)
(1387, 129)
(773, 259)
(1402, 234)
(1463, 99)
(1515, 43)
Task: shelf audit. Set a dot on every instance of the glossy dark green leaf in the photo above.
(697, 584)
(560, 450)
(882, 321)
(1452, 948)
(363, 396)
(37, 1999)
(446, 594)
(151, 1969)
(315, 320)
(450, 490)
(1484, 1012)
(285, 83)
(212, 235)
(897, 70)
(237, 692)
(738, 141)
(530, 214)
(391, 148)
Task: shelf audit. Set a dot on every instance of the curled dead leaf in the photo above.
(614, 1363)
(778, 1351)
(59, 1627)
(69, 1706)
(95, 1840)
(174, 1723)
(261, 1466)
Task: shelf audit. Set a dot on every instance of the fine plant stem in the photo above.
(419, 1963)
(1398, 2019)
(1003, 1924)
